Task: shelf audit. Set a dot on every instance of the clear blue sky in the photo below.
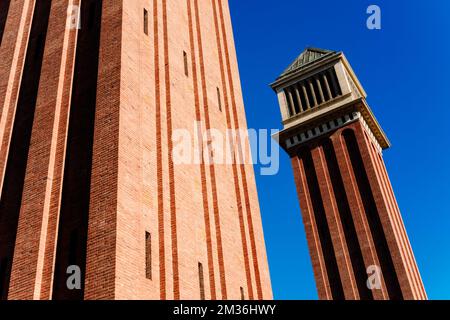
(405, 69)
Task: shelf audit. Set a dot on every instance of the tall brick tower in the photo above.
(354, 229)
(91, 92)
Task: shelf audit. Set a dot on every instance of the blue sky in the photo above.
(405, 70)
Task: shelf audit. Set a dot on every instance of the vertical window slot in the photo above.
(242, 294)
(201, 281)
(186, 64)
(148, 256)
(219, 99)
(146, 22)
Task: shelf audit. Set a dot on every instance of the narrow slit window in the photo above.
(219, 99)
(148, 256)
(146, 22)
(242, 294)
(186, 64)
(201, 281)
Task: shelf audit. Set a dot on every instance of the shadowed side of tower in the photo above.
(358, 244)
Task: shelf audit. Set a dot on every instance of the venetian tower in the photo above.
(91, 93)
(357, 241)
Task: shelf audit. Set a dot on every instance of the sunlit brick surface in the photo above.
(91, 159)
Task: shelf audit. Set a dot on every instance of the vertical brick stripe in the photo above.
(211, 166)
(403, 229)
(17, 23)
(312, 235)
(49, 115)
(323, 227)
(348, 225)
(12, 61)
(162, 255)
(399, 221)
(173, 213)
(212, 282)
(389, 225)
(357, 211)
(340, 247)
(393, 215)
(76, 165)
(394, 212)
(242, 167)
(101, 257)
(18, 186)
(75, 196)
(251, 232)
(381, 233)
(62, 125)
(4, 8)
(234, 166)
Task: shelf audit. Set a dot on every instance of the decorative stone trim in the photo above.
(371, 135)
(322, 129)
(330, 126)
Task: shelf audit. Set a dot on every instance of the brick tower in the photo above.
(354, 229)
(91, 92)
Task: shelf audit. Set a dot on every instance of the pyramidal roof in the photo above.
(307, 57)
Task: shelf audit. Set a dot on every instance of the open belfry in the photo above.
(356, 237)
(91, 92)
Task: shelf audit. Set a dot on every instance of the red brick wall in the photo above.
(191, 211)
(206, 214)
(370, 218)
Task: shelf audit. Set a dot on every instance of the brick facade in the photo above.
(356, 237)
(87, 175)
